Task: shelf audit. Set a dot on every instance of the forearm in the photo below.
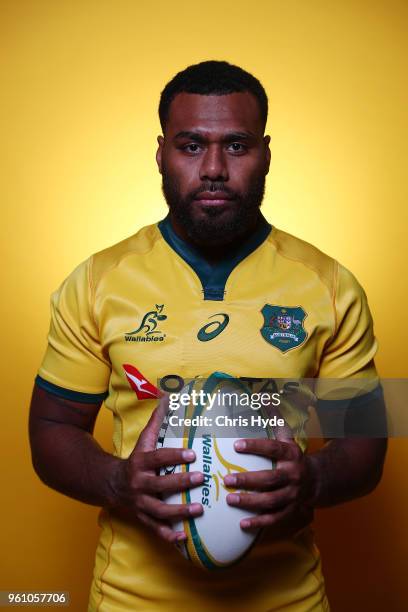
(70, 460)
(345, 469)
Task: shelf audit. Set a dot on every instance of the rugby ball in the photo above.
(209, 424)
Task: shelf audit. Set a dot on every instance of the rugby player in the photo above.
(138, 312)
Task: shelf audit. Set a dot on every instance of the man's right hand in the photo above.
(139, 487)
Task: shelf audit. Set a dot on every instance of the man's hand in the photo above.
(139, 487)
(342, 470)
(282, 496)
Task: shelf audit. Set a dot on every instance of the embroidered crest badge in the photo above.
(283, 326)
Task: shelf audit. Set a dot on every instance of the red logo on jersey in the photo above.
(140, 385)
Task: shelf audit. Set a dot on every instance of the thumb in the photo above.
(294, 408)
(148, 438)
(280, 432)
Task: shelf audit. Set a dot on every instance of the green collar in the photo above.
(213, 277)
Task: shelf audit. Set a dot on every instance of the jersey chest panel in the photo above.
(168, 329)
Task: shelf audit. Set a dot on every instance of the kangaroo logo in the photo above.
(148, 328)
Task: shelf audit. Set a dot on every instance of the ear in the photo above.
(159, 152)
(267, 140)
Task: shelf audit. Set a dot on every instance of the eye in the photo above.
(238, 147)
(193, 147)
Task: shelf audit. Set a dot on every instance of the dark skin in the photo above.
(218, 140)
(67, 458)
(208, 140)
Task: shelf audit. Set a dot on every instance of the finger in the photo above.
(282, 431)
(298, 419)
(275, 449)
(148, 437)
(162, 530)
(301, 397)
(296, 401)
(162, 511)
(264, 520)
(129, 513)
(172, 483)
(287, 521)
(162, 457)
(262, 480)
(261, 502)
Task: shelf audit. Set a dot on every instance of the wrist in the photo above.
(314, 483)
(117, 483)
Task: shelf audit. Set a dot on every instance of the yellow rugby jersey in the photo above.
(150, 309)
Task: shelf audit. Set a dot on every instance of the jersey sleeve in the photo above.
(348, 391)
(74, 365)
(349, 354)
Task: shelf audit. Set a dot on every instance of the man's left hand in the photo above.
(282, 497)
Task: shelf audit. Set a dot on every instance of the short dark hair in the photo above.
(212, 78)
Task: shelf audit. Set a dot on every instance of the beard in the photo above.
(214, 225)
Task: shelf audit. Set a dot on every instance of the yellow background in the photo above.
(80, 88)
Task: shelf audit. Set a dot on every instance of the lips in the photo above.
(213, 198)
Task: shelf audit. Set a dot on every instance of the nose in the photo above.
(214, 165)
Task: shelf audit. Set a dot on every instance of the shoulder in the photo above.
(339, 280)
(302, 254)
(139, 244)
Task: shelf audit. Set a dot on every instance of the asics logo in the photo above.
(214, 328)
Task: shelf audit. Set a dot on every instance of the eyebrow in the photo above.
(230, 137)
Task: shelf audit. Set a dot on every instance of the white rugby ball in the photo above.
(214, 539)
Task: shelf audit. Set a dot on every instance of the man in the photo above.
(138, 313)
